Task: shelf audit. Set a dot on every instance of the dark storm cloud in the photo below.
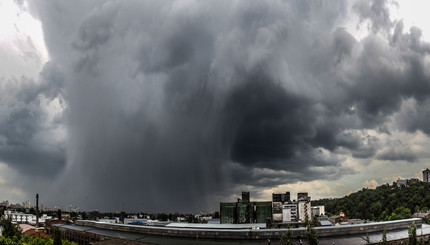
(397, 155)
(25, 125)
(171, 104)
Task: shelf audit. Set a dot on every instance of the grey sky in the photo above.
(177, 105)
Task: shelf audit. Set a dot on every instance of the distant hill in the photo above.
(386, 202)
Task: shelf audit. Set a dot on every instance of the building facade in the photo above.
(278, 199)
(289, 212)
(304, 206)
(245, 211)
(426, 174)
(317, 211)
(20, 217)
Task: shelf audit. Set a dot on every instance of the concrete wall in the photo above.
(255, 234)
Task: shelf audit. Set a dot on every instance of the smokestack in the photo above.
(37, 210)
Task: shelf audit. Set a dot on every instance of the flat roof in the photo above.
(351, 239)
(215, 226)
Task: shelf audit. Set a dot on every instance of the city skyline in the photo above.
(179, 105)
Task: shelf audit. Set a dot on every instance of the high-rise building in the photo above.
(281, 197)
(304, 209)
(278, 199)
(426, 173)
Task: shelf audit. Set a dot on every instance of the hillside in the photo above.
(386, 202)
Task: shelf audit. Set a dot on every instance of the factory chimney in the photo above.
(37, 210)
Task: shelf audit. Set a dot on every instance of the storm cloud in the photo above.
(169, 105)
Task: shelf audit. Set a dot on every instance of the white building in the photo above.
(109, 220)
(304, 207)
(317, 211)
(289, 212)
(20, 217)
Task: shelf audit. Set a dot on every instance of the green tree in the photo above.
(384, 237)
(400, 213)
(56, 236)
(307, 223)
(59, 214)
(28, 240)
(311, 235)
(412, 231)
(10, 230)
(287, 238)
(376, 209)
(386, 202)
(367, 238)
(84, 215)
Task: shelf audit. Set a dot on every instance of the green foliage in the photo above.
(59, 214)
(412, 231)
(307, 223)
(287, 238)
(383, 203)
(10, 230)
(56, 236)
(400, 213)
(315, 222)
(367, 238)
(311, 235)
(84, 215)
(384, 237)
(28, 240)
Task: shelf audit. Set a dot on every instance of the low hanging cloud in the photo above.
(171, 104)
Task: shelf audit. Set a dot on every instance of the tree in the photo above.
(306, 219)
(59, 214)
(412, 231)
(367, 238)
(311, 235)
(384, 237)
(56, 236)
(400, 213)
(10, 230)
(287, 238)
(84, 215)
(376, 209)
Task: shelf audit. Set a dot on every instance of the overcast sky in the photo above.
(178, 105)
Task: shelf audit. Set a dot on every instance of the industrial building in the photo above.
(280, 210)
(245, 211)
